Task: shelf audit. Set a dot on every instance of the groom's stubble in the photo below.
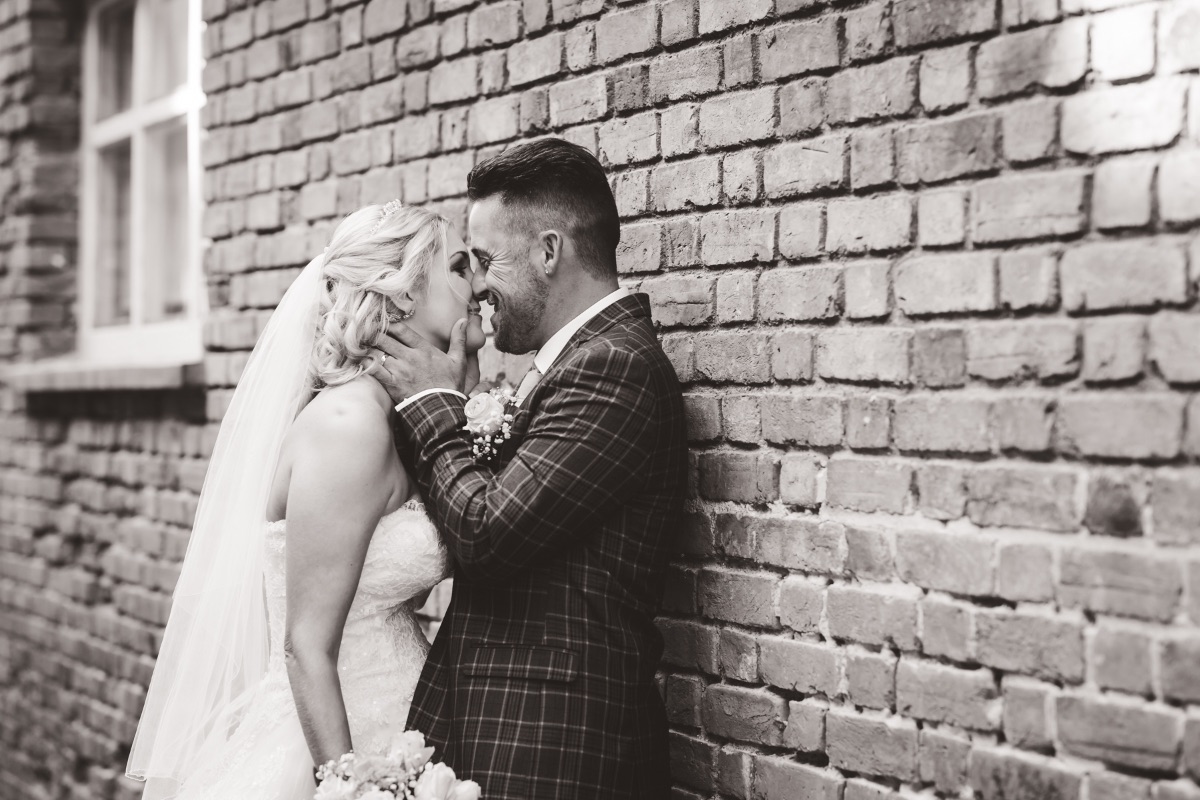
(517, 319)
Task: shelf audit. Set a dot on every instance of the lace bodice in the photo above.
(383, 646)
(380, 660)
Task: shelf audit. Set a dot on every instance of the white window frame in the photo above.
(136, 342)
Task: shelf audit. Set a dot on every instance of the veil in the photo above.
(214, 649)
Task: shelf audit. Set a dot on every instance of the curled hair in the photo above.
(370, 259)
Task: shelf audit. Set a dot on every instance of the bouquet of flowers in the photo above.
(403, 773)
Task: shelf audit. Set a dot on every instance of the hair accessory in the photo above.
(392, 207)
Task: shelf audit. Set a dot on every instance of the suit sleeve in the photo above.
(583, 454)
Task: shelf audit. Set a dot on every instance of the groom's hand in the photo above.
(413, 365)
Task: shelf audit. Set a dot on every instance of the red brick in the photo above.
(625, 33)
(930, 691)
(888, 89)
(1119, 658)
(871, 745)
(1052, 56)
(1001, 774)
(868, 32)
(686, 74)
(814, 420)
(943, 150)
(801, 107)
(801, 231)
(1144, 738)
(869, 224)
(1176, 505)
(1030, 130)
(800, 168)
(1028, 712)
(872, 158)
(534, 59)
(1123, 583)
(946, 284)
(958, 563)
(874, 614)
(738, 118)
(799, 48)
(868, 422)
(804, 293)
(745, 715)
(717, 15)
(681, 300)
(1178, 194)
(1028, 206)
(943, 759)
(864, 354)
(806, 726)
(781, 779)
(735, 297)
(1121, 193)
(918, 23)
(742, 477)
(1003, 351)
(1023, 496)
(945, 80)
(867, 289)
(947, 629)
(1177, 34)
(870, 678)
(942, 423)
(731, 237)
(678, 21)
(686, 184)
(796, 666)
(628, 140)
(747, 598)
(1088, 424)
(579, 100)
(1123, 118)
(869, 484)
(1122, 274)
(939, 357)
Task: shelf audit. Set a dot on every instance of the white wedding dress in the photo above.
(382, 652)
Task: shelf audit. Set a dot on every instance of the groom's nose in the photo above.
(479, 284)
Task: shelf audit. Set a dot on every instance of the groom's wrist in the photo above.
(415, 397)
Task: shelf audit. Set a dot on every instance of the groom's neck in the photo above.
(567, 302)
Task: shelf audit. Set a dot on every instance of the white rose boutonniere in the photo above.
(489, 421)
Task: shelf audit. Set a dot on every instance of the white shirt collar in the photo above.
(553, 347)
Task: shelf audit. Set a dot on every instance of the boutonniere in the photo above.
(489, 421)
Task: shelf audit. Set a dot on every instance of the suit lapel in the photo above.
(628, 307)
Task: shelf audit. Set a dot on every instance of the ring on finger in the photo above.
(382, 359)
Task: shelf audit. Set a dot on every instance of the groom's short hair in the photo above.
(552, 183)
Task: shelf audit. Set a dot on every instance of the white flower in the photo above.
(336, 789)
(464, 790)
(435, 783)
(485, 414)
(377, 794)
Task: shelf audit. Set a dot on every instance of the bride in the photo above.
(292, 637)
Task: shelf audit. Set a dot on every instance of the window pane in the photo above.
(112, 235)
(166, 46)
(166, 232)
(115, 56)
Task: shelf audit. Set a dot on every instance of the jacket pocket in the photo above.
(523, 662)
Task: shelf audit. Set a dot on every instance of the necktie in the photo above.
(527, 383)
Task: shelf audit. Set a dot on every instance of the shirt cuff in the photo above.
(409, 400)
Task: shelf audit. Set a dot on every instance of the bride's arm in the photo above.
(335, 500)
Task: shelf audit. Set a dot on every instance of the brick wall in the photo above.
(929, 273)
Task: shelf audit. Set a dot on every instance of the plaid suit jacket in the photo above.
(541, 680)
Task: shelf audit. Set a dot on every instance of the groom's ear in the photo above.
(550, 247)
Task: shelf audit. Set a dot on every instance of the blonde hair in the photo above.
(375, 254)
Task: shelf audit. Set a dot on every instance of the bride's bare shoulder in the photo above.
(352, 412)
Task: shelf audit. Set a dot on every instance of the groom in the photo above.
(540, 683)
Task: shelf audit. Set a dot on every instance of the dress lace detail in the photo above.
(383, 650)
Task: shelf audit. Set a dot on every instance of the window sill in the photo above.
(73, 374)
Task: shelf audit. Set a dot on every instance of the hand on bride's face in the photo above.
(448, 297)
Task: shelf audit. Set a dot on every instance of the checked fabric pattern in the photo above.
(540, 683)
